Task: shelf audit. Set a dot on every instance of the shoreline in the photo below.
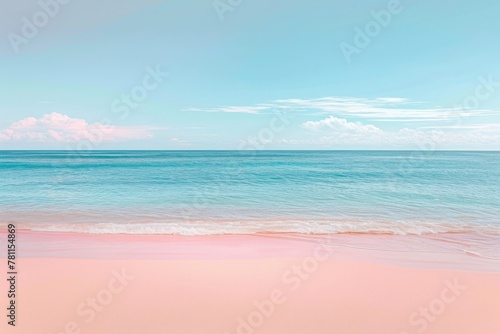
(76, 283)
(442, 250)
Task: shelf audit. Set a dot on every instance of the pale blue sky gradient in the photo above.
(227, 78)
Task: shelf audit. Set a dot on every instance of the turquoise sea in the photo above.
(212, 192)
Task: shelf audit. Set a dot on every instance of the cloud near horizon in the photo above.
(341, 131)
(55, 127)
(341, 125)
(329, 132)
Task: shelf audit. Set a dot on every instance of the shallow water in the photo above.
(232, 192)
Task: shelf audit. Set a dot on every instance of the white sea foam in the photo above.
(199, 227)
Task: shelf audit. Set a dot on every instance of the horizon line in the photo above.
(232, 150)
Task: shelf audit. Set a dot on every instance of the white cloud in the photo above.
(55, 127)
(178, 141)
(382, 109)
(233, 109)
(341, 125)
(482, 127)
(336, 131)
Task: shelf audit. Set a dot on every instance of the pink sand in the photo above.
(248, 284)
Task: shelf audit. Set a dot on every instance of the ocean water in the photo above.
(221, 192)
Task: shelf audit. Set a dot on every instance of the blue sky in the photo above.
(245, 74)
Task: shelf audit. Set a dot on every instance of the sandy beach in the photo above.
(250, 167)
(248, 284)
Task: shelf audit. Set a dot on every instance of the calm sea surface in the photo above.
(207, 192)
